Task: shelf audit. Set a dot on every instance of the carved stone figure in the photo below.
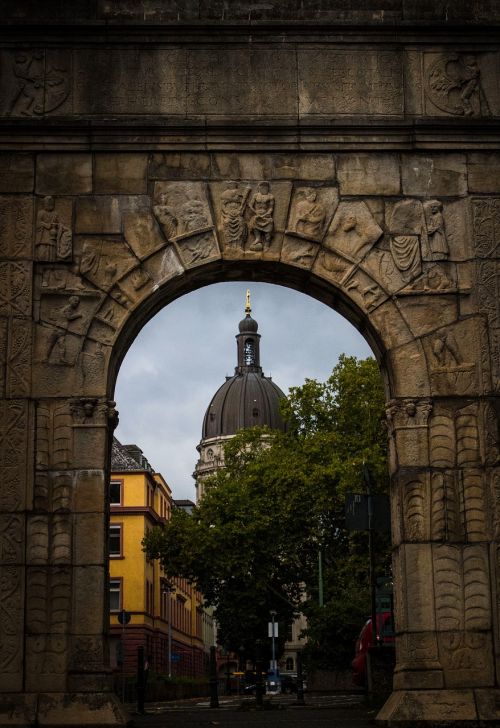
(406, 225)
(453, 84)
(41, 86)
(445, 350)
(165, 216)
(233, 202)
(262, 223)
(436, 235)
(53, 239)
(193, 216)
(56, 353)
(310, 214)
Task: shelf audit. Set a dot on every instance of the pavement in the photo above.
(341, 711)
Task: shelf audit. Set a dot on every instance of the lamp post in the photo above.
(168, 589)
(273, 644)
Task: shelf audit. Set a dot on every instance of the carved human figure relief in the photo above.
(233, 201)
(53, 238)
(436, 235)
(56, 352)
(309, 215)
(165, 215)
(353, 230)
(453, 84)
(42, 84)
(261, 223)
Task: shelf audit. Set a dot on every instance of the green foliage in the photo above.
(252, 544)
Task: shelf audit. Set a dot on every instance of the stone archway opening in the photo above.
(379, 260)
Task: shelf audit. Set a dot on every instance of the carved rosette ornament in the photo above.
(453, 84)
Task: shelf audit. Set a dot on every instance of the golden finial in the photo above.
(248, 308)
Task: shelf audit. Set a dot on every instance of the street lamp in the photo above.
(168, 589)
(273, 635)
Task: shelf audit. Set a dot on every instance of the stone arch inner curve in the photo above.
(108, 269)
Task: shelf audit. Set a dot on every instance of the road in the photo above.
(341, 711)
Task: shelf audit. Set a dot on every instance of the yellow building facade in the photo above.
(167, 618)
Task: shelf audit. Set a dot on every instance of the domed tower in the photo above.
(247, 399)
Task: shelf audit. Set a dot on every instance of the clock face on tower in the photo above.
(249, 352)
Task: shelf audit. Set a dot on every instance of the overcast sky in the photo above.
(182, 356)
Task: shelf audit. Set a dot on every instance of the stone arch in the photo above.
(99, 277)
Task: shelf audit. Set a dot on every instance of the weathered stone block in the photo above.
(90, 495)
(64, 174)
(102, 214)
(265, 79)
(368, 174)
(16, 227)
(483, 172)
(120, 173)
(432, 707)
(426, 313)
(350, 82)
(17, 172)
(90, 544)
(408, 371)
(149, 81)
(444, 175)
(88, 588)
(274, 166)
(179, 165)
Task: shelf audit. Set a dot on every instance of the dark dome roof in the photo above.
(248, 325)
(246, 400)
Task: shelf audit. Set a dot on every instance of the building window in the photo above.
(115, 595)
(289, 632)
(289, 664)
(115, 493)
(115, 540)
(249, 352)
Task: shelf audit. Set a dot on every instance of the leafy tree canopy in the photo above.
(252, 544)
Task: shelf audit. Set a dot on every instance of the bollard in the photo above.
(214, 697)
(140, 680)
(300, 680)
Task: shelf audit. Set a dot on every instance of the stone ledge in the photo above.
(457, 708)
(62, 710)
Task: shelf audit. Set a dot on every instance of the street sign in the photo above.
(124, 617)
(363, 512)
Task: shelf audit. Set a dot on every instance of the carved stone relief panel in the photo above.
(350, 82)
(461, 578)
(54, 436)
(107, 320)
(11, 539)
(412, 518)
(251, 217)
(103, 260)
(486, 227)
(142, 233)
(364, 290)
(47, 623)
(453, 84)
(407, 424)
(49, 539)
(16, 227)
(53, 230)
(467, 658)
(353, 230)
(15, 454)
(417, 652)
(90, 419)
(35, 82)
(15, 288)
(458, 358)
(311, 211)
(15, 357)
(488, 296)
(150, 82)
(182, 208)
(53, 491)
(163, 266)
(11, 626)
(333, 267)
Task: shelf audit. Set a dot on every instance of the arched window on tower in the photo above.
(249, 352)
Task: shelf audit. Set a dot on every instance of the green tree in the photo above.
(252, 544)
